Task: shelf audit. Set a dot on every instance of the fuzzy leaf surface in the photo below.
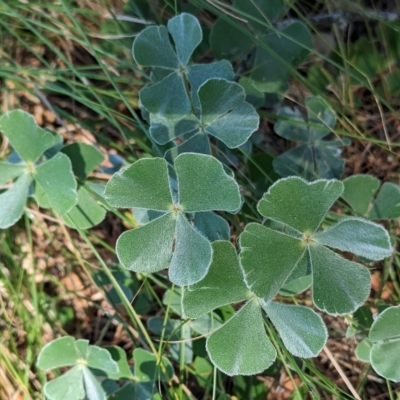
(144, 184)
(267, 257)
(58, 353)
(385, 338)
(26, 137)
(134, 251)
(192, 255)
(217, 97)
(94, 391)
(13, 201)
(204, 185)
(241, 346)
(167, 98)
(164, 130)
(152, 48)
(67, 386)
(340, 286)
(222, 285)
(363, 350)
(305, 205)
(358, 236)
(235, 128)
(201, 73)
(302, 330)
(186, 32)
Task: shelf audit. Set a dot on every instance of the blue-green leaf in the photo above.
(302, 330)
(358, 236)
(204, 185)
(192, 255)
(359, 191)
(305, 205)
(26, 137)
(186, 32)
(13, 201)
(152, 48)
(148, 248)
(144, 184)
(167, 98)
(58, 183)
(340, 286)
(268, 257)
(241, 346)
(222, 285)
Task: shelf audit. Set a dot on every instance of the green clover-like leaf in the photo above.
(26, 137)
(54, 183)
(222, 285)
(203, 186)
(302, 330)
(223, 113)
(12, 202)
(191, 99)
(314, 157)
(57, 182)
(10, 171)
(152, 48)
(81, 356)
(270, 256)
(359, 193)
(148, 370)
(385, 338)
(241, 346)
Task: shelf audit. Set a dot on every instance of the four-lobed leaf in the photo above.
(241, 345)
(270, 256)
(203, 186)
(53, 179)
(80, 379)
(314, 157)
(186, 100)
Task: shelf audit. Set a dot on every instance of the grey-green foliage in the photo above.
(290, 246)
(276, 51)
(271, 255)
(314, 157)
(189, 100)
(79, 382)
(382, 347)
(54, 177)
(359, 192)
(241, 345)
(51, 170)
(170, 240)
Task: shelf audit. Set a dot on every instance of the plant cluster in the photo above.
(293, 248)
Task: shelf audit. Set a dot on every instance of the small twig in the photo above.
(341, 373)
